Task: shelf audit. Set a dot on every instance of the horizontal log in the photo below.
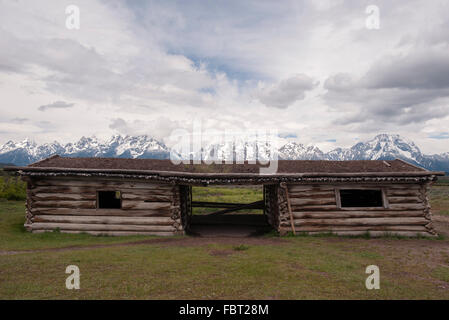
(403, 186)
(103, 212)
(376, 233)
(98, 227)
(252, 205)
(387, 233)
(403, 193)
(102, 183)
(406, 206)
(356, 214)
(130, 204)
(312, 194)
(205, 204)
(358, 228)
(93, 191)
(363, 221)
(310, 188)
(306, 202)
(167, 221)
(80, 204)
(63, 196)
(62, 189)
(314, 208)
(148, 197)
(392, 200)
(332, 187)
(148, 192)
(392, 207)
(116, 233)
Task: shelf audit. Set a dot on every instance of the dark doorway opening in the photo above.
(228, 211)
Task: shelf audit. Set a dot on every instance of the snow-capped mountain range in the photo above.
(381, 147)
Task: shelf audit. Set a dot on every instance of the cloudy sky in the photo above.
(312, 70)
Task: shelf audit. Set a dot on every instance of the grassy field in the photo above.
(439, 195)
(11, 187)
(233, 194)
(32, 266)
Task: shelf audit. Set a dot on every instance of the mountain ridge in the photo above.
(381, 147)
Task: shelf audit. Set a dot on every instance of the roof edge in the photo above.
(411, 164)
(45, 159)
(199, 174)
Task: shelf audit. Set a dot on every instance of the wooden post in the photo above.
(292, 222)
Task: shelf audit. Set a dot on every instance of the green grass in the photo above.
(241, 247)
(297, 268)
(439, 198)
(13, 235)
(442, 181)
(233, 194)
(11, 187)
(270, 267)
(442, 273)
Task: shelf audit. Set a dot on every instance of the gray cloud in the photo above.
(439, 136)
(159, 128)
(19, 120)
(206, 61)
(400, 90)
(56, 105)
(286, 92)
(418, 70)
(120, 125)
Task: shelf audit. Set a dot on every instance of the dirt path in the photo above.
(181, 242)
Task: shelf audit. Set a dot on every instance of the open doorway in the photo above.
(226, 210)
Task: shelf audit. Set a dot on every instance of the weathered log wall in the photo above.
(186, 206)
(153, 208)
(315, 209)
(70, 205)
(271, 205)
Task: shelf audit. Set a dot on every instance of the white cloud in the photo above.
(286, 92)
(156, 65)
(56, 105)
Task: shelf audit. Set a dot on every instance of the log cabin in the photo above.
(113, 196)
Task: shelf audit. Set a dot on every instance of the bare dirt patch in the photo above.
(180, 242)
(221, 253)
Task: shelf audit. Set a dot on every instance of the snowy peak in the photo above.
(233, 150)
(381, 147)
(297, 151)
(26, 152)
(25, 144)
(385, 146)
(137, 146)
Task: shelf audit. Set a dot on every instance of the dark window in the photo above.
(361, 198)
(109, 200)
